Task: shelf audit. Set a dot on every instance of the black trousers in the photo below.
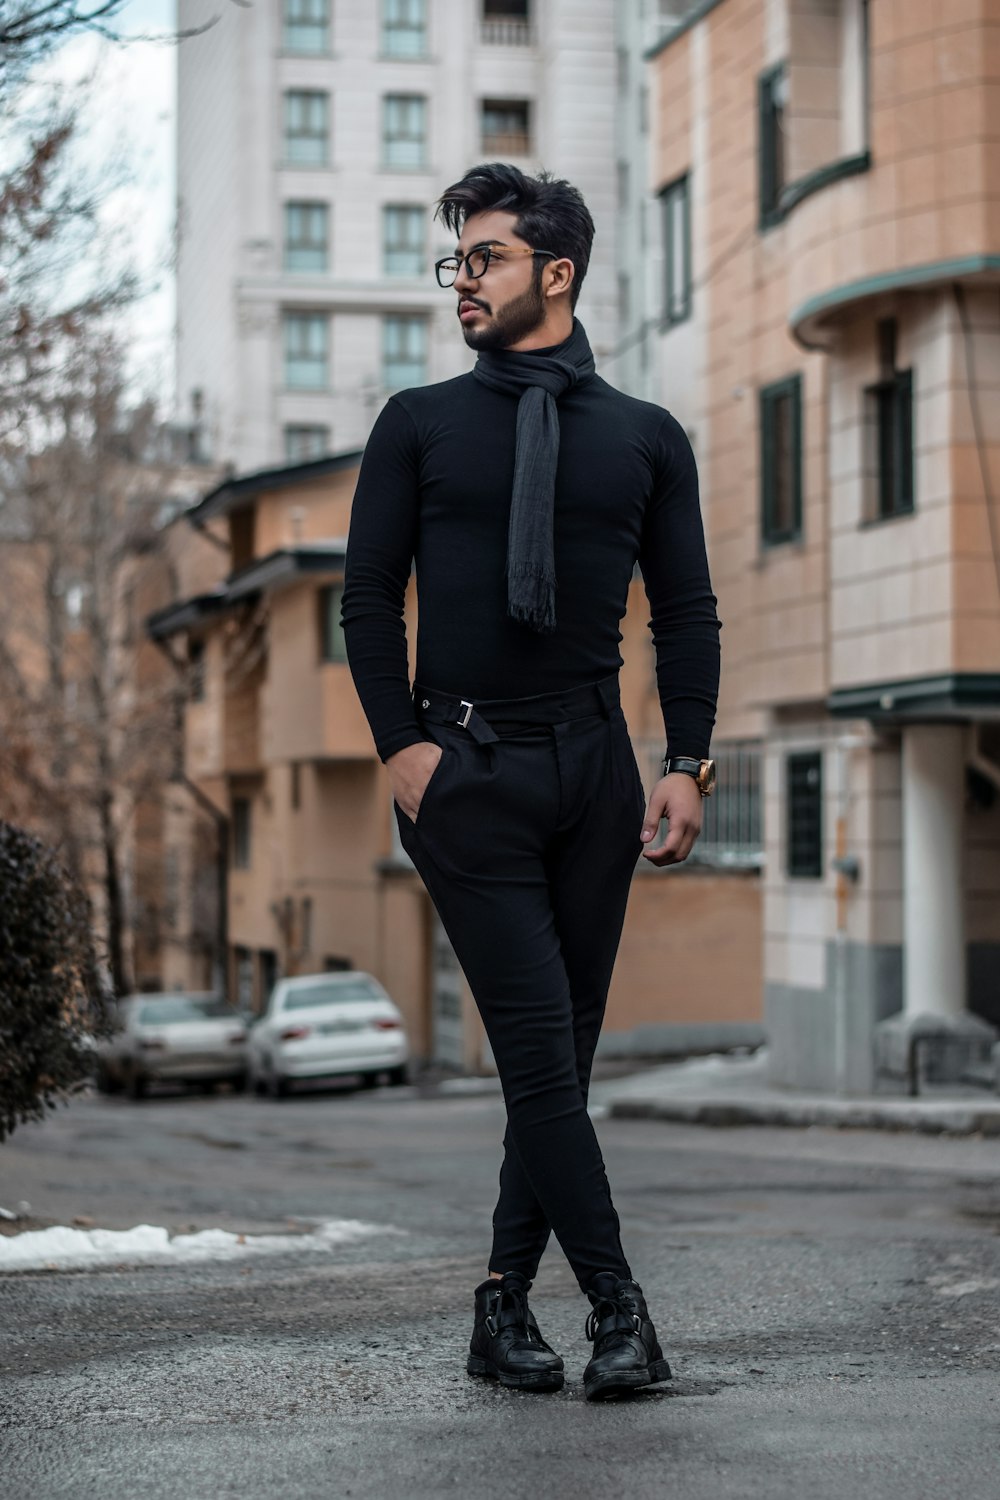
(526, 838)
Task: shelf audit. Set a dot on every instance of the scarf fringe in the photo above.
(531, 598)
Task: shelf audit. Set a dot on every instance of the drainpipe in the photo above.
(848, 870)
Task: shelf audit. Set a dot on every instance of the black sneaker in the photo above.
(506, 1343)
(626, 1351)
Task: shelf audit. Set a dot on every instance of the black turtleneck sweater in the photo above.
(435, 488)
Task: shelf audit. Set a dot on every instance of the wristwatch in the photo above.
(703, 771)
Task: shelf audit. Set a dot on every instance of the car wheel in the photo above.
(369, 1080)
(278, 1086)
(397, 1076)
(137, 1083)
(239, 1083)
(207, 1085)
(105, 1082)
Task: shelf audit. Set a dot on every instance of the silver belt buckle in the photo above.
(464, 718)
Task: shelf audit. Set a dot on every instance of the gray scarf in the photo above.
(538, 380)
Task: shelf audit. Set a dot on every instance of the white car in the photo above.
(175, 1038)
(327, 1026)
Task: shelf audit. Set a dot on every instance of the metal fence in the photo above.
(731, 831)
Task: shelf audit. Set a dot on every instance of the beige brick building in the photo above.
(276, 741)
(830, 182)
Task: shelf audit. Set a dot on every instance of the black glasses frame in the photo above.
(487, 251)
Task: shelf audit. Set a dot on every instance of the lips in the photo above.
(464, 308)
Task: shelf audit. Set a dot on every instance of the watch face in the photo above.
(707, 777)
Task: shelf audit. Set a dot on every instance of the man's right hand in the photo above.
(410, 769)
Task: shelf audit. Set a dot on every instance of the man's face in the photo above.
(507, 302)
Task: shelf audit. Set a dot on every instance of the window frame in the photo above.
(410, 320)
(308, 209)
(292, 317)
(389, 101)
(332, 646)
(768, 398)
(498, 143)
(322, 137)
(674, 193)
(890, 489)
(324, 443)
(241, 817)
(797, 867)
(388, 29)
(414, 214)
(289, 24)
(771, 163)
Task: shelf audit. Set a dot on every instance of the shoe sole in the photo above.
(616, 1382)
(540, 1380)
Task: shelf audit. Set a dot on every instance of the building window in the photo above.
(196, 671)
(888, 434)
(506, 23)
(772, 96)
(306, 127)
(241, 833)
(306, 352)
(781, 460)
(404, 28)
(404, 351)
(306, 236)
(506, 127)
(403, 235)
(404, 130)
(306, 441)
(676, 201)
(307, 26)
(331, 632)
(804, 785)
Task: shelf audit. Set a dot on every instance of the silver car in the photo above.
(327, 1026)
(176, 1038)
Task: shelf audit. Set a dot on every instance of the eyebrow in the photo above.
(482, 245)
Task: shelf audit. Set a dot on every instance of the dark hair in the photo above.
(551, 213)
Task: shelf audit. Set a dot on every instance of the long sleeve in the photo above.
(684, 623)
(380, 549)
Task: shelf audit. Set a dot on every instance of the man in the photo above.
(526, 491)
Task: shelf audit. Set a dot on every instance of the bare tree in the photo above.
(90, 734)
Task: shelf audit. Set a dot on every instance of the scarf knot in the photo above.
(538, 380)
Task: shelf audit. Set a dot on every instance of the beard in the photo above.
(514, 321)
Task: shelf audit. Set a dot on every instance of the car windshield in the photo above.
(306, 997)
(166, 1009)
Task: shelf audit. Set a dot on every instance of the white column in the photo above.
(933, 928)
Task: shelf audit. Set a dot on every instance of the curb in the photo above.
(927, 1119)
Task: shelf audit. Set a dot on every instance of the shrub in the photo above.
(53, 999)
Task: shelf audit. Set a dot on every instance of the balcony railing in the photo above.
(507, 33)
(731, 834)
(507, 143)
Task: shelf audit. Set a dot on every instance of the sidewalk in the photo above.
(732, 1089)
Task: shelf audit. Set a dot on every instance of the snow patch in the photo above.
(61, 1248)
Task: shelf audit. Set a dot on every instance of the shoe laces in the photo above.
(515, 1299)
(625, 1321)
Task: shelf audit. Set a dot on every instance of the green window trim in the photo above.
(770, 151)
(772, 399)
(804, 815)
(676, 201)
(332, 646)
(888, 416)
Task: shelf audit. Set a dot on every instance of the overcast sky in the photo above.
(131, 119)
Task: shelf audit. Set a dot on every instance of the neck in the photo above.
(555, 328)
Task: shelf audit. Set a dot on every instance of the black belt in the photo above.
(483, 717)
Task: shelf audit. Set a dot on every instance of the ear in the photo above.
(559, 276)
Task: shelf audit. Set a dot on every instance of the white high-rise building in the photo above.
(313, 139)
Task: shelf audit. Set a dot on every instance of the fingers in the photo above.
(682, 834)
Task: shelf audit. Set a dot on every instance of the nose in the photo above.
(463, 281)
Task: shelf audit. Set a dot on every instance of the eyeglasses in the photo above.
(478, 260)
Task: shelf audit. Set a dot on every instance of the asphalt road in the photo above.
(830, 1303)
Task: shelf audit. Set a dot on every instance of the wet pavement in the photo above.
(829, 1301)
